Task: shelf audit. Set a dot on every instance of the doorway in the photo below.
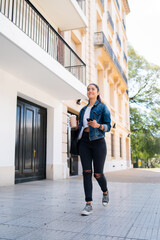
(72, 158)
(30, 152)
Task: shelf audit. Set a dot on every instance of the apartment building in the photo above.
(50, 51)
(105, 57)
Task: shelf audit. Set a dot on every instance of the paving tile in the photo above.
(6, 218)
(4, 239)
(48, 235)
(13, 232)
(89, 237)
(78, 218)
(29, 222)
(13, 211)
(154, 235)
(66, 226)
(45, 214)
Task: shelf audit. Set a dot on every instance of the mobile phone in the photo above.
(89, 119)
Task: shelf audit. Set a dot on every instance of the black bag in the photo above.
(74, 142)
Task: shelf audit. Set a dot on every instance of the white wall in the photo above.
(10, 88)
(7, 130)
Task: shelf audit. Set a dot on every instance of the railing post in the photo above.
(48, 40)
(12, 10)
(0, 5)
(70, 60)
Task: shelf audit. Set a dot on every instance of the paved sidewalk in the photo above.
(135, 175)
(50, 210)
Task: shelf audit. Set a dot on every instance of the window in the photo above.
(99, 24)
(120, 103)
(127, 149)
(76, 45)
(124, 45)
(100, 82)
(112, 145)
(120, 146)
(126, 113)
(110, 41)
(117, 25)
(110, 7)
(112, 95)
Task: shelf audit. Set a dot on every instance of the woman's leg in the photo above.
(86, 160)
(99, 151)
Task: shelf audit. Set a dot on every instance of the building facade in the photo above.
(49, 53)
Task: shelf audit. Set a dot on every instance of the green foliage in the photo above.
(144, 95)
(145, 139)
(144, 80)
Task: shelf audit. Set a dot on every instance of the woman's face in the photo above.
(92, 92)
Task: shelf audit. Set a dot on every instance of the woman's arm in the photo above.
(106, 119)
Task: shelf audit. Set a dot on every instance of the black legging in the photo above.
(95, 151)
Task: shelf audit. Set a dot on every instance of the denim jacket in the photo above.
(101, 114)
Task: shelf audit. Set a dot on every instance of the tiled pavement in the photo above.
(50, 210)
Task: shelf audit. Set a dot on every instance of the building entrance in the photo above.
(72, 157)
(30, 153)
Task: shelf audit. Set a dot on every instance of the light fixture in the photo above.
(78, 101)
(128, 135)
(114, 125)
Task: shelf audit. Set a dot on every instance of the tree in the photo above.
(144, 95)
(144, 80)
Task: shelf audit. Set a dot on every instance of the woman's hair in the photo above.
(98, 97)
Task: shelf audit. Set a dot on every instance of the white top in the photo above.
(85, 122)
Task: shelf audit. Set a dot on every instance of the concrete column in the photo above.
(54, 140)
(8, 98)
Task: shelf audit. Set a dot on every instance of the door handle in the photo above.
(34, 153)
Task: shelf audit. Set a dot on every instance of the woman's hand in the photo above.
(93, 124)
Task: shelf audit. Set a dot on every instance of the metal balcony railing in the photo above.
(101, 40)
(124, 24)
(27, 18)
(118, 39)
(110, 20)
(118, 4)
(125, 57)
(82, 4)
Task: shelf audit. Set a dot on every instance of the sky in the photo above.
(143, 28)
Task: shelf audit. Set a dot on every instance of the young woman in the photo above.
(94, 121)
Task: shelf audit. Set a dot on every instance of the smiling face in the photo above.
(92, 92)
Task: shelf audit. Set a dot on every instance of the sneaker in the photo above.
(105, 199)
(87, 210)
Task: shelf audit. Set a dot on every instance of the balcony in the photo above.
(101, 41)
(29, 38)
(110, 21)
(125, 57)
(118, 39)
(67, 15)
(118, 4)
